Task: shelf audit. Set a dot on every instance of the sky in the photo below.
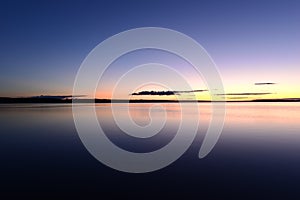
(43, 44)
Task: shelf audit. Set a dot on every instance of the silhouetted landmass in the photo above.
(56, 100)
(278, 100)
(32, 100)
(5, 100)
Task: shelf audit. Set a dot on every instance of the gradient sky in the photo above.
(44, 42)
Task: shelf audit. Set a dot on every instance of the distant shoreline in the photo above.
(8, 100)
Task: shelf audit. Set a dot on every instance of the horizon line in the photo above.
(44, 99)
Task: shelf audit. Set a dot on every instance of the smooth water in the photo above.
(256, 156)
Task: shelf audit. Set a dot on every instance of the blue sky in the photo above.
(44, 42)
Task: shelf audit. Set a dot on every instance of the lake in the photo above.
(257, 154)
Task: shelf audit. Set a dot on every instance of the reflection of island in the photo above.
(70, 99)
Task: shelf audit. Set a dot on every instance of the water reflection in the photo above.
(258, 151)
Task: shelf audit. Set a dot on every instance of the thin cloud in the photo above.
(238, 97)
(265, 83)
(165, 93)
(189, 91)
(245, 94)
(158, 93)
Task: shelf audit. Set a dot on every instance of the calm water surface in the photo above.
(257, 155)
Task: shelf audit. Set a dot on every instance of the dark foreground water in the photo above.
(257, 155)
